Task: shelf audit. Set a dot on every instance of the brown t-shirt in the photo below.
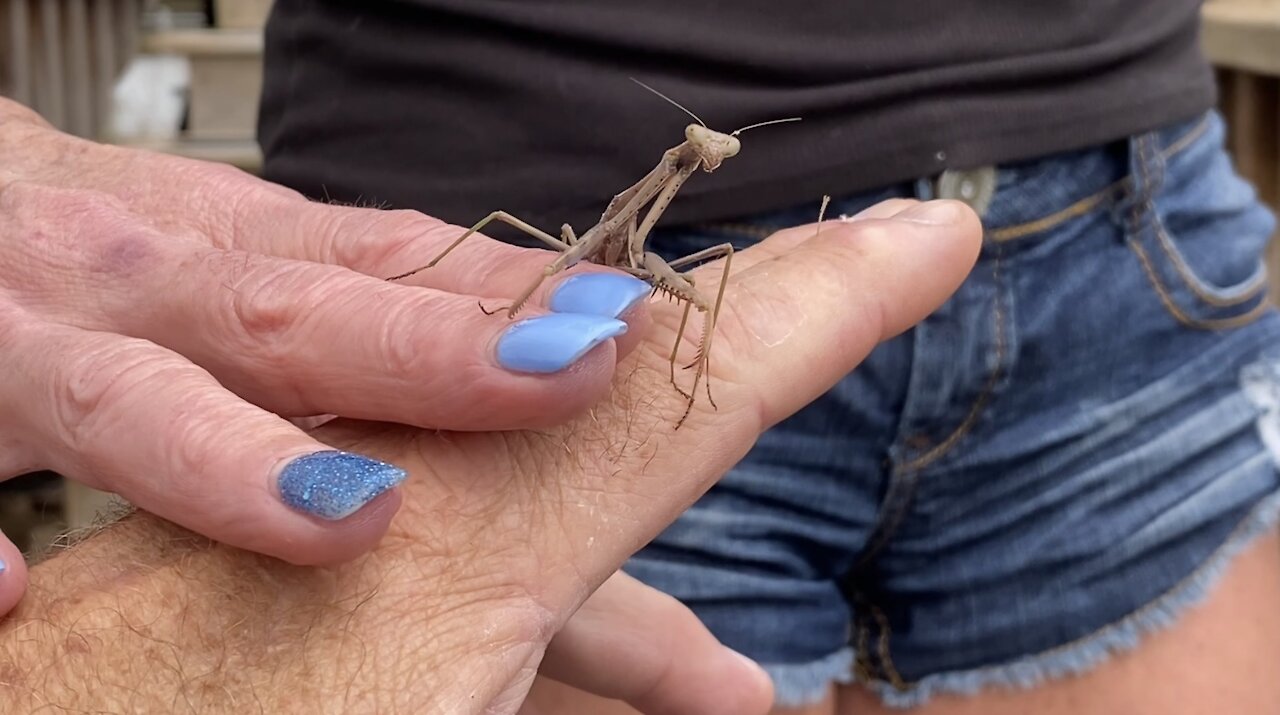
(460, 107)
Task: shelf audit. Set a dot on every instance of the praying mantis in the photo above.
(618, 240)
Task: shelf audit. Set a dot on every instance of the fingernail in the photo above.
(3, 566)
(334, 485)
(550, 343)
(607, 294)
(932, 212)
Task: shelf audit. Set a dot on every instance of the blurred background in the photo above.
(180, 76)
(183, 76)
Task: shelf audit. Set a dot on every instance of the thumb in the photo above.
(13, 575)
(830, 298)
(631, 642)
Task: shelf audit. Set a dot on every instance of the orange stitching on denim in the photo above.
(1148, 205)
(1187, 139)
(1177, 312)
(910, 470)
(1010, 233)
(1079, 208)
(988, 389)
(888, 525)
(886, 661)
(1248, 292)
(862, 652)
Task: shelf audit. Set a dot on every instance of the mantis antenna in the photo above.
(672, 101)
(736, 132)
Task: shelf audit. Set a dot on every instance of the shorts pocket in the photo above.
(1203, 240)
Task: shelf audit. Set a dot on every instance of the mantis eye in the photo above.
(732, 146)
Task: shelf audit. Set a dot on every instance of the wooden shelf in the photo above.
(201, 43)
(1243, 35)
(226, 79)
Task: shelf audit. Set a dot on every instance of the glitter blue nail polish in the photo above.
(607, 294)
(552, 342)
(334, 485)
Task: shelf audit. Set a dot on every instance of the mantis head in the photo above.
(711, 146)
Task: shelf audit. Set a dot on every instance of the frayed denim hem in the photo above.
(801, 685)
(1091, 651)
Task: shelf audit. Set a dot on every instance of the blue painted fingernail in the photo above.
(607, 294)
(334, 485)
(552, 342)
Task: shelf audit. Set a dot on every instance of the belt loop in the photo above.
(925, 188)
(1146, 177)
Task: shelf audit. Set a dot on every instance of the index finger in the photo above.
(385, 243)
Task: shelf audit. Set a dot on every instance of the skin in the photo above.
(154, 309)
(501, 536)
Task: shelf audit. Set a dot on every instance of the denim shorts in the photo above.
(1058, 461)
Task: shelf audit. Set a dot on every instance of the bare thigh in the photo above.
(1220, 657)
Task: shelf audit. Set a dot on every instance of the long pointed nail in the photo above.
(334, 485)
(552, 342)
(607, 294)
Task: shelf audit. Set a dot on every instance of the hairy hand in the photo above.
(502, 536)
(160, 319)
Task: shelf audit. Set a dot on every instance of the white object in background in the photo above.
(150, 99)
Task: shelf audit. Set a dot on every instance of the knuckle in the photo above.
(872, 231)
(366, 238)
(79, 230)
(233, 201)
(194, 445)
(91, 382)
(77, 206)
(404, 351)
(266, 306)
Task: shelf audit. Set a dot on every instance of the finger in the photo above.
(129, 417)
(631, 642)
(790, 328)
(303, 338)
(788, 239)
(388, 243)
(850, 287)
(13, 575)
(226, 208)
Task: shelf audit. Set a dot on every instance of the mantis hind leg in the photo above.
(703, 358)
(504, 217)
(675, 348)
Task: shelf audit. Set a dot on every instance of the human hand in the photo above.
(633, 643)
(160, 318)
(502, 536)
